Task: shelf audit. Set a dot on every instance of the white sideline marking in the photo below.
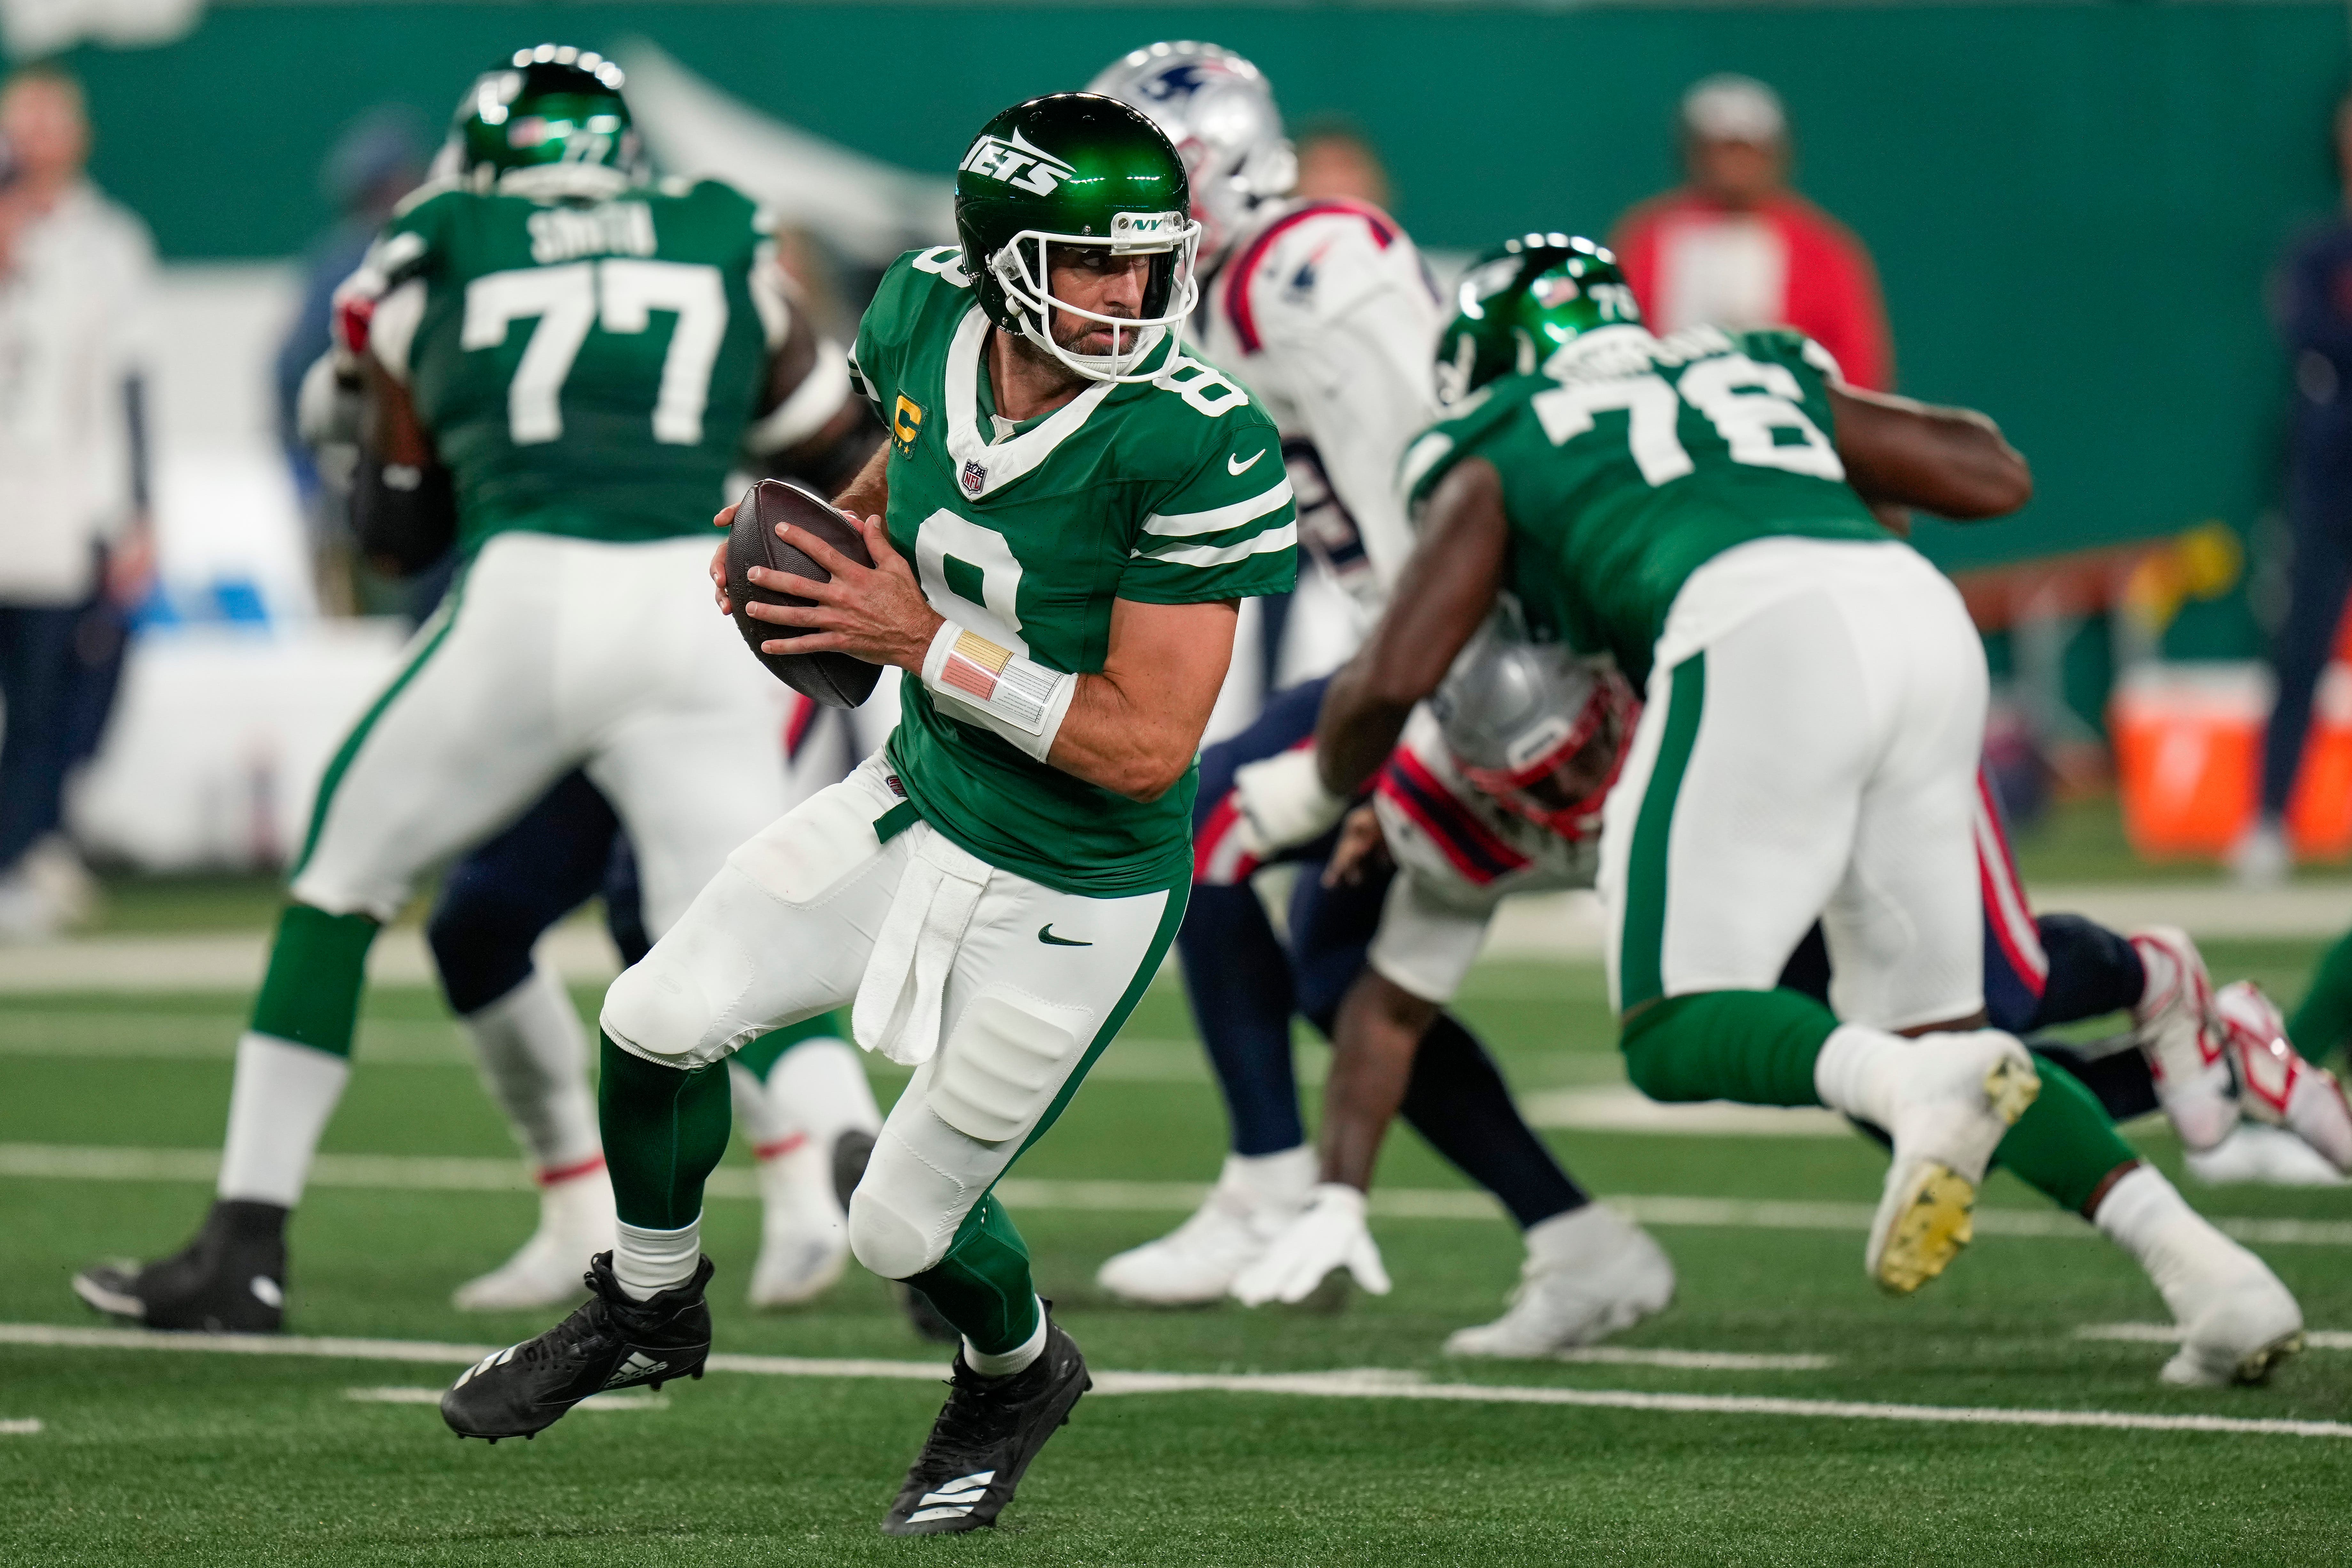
(1622, 1108)
(1357, 1382)
(21, 1427)
(617, 1400)
(2169, 1333)
(1694, 1361)
(101, 1163)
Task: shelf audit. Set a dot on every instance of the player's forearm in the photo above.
(1378, 1032)
(1952, 462)
(1364, 711)
(1123, 741)
(869, 493)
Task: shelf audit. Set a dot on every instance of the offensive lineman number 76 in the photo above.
(619, 294)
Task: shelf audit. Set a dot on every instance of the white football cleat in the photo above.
(1254, 1200)
(1954, 1096)
(1588, 1273)
(2256, 1155)
(2180, 1034)
(575, 1222)
(803, 1234)
(2276, 1086)
(2237, 1322)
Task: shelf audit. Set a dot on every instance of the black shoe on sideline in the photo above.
(984, 1441)
(231, 1280)
(613, 1341)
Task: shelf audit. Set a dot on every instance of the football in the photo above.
(835, 679)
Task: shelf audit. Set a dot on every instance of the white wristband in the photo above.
(1008, 692)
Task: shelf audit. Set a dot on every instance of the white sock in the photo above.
(1857, 1072)
(821, 1085)
(1017, 1359)
(1285, 1178)
(2138, 1211)
(649, 1262)
(279, 1105)
(535, 1060)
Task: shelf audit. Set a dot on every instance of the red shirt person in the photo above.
(1736, 248)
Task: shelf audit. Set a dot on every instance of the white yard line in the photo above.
(106, 1163)
(619, 1400)
(1360, 1383)
(2169, 1333)
(20, 1427)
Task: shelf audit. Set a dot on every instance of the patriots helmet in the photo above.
(1218, 110)
(1536, 728)
(1077, 170)
(551, 117)
(1523, 301)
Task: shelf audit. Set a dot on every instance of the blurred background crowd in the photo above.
(185, 627)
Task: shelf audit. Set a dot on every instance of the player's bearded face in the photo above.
(1097, 280)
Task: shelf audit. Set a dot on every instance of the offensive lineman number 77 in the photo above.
(619, 294)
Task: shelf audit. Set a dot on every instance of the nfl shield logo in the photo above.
(974, 476)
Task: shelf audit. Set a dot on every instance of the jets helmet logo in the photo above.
(1017, 163)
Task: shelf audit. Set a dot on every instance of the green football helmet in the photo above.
(1521, 302)
(1080, 170)
(548, 117)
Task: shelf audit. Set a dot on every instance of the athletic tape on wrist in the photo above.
(1011, 693)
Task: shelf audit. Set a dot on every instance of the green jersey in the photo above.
(1170, 491)
(1629, 461)
(583, 368)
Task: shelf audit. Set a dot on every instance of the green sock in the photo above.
(318, 964)
(982, 1285)
(1754, 1046)
(760, 1056)
(2064, 1146)
(664, 1131)
(2322, 1026)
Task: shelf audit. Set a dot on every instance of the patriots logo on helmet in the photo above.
(1179, 81)
(975, 475)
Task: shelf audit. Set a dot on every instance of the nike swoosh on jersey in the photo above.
(1046, 934)
(1235, 468)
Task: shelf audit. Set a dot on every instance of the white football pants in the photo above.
(1001, 989)
(1808, 749)
(549, 654)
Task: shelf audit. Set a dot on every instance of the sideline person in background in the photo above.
(1735, 247)
(76, 547)
(1336, 163)
(2312, 296)
(379, 159)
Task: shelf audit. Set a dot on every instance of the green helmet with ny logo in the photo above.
(1077, 170)
(551, 116)
(1524, 300)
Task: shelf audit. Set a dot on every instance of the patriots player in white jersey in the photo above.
(1495, 790)
(1325, 309)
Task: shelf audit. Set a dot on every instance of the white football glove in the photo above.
(1283, 802)
(1328, 1234)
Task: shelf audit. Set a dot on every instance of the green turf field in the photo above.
(148, 1457)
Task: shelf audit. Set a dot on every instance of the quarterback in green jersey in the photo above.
(1063, 521)
(1695, 508)
(563, 358)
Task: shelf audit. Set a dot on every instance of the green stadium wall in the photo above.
(2074, 207)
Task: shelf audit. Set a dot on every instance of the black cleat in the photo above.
(613, 1341)
(983, 1442)
(231, 1280)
